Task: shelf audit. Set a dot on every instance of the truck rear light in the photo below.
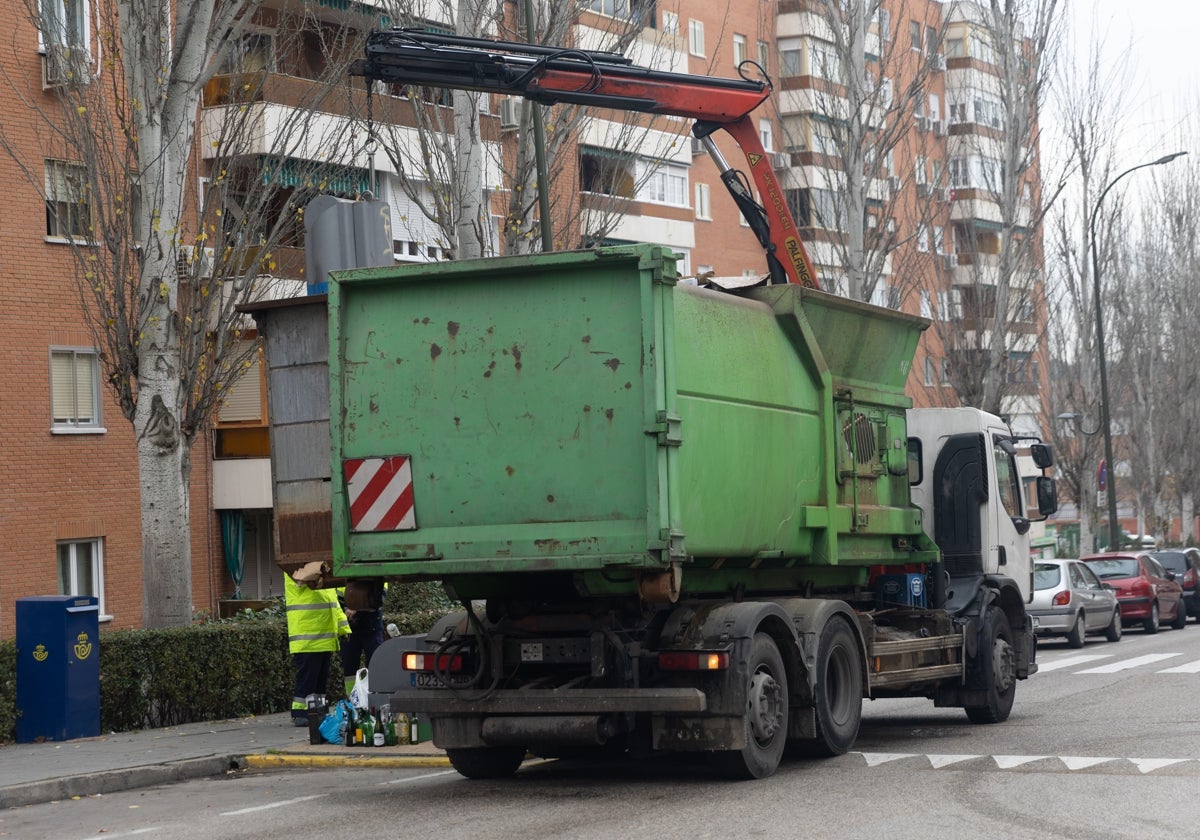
(693, 660)
(445, 663)
(1063, 598)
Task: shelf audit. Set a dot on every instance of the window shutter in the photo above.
(243, 403)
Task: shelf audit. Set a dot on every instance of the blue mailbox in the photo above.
(58, 668)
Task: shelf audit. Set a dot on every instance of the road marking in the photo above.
(940, 761)
(1189, 668)
(1080, 762)
(1071, 660)
(417, 778)
(1126, 664)
(282, 804)
(126, 833)
(1147, 765)
(1008, 762)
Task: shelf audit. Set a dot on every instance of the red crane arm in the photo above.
(608, 80)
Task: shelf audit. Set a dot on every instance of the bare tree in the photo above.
(1089, 103)
(993, 340)
(159, 95)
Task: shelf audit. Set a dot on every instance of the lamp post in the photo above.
(1114, 527)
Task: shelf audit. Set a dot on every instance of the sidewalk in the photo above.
(36, 773)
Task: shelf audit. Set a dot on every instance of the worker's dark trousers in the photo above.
(366, 634)
(312, 677)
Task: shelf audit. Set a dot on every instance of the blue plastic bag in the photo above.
(333, 728)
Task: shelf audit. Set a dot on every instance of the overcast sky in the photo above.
(1163, 37)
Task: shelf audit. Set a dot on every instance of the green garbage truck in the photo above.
(676, 518)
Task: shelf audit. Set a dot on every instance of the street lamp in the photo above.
(1114, 528)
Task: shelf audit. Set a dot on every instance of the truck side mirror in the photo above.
(1047, 495)
(1042, 454)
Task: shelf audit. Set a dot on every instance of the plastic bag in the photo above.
(360, 694)
(333, 728)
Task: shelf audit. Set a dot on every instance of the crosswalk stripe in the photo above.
(1043, 667)
(1126, 664)
(1189, 668)
(1080, 762)
(1147, 765)
(875, 759)
(940, 761)
(1008, 762)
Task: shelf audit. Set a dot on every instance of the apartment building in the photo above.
(932, 227)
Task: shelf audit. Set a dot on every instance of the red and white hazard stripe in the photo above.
(381, 493)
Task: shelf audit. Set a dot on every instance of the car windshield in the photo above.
(1114, 567)
(1175, 561)
(1046, 575)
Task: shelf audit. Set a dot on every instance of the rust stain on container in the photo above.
(550, 497)
(608, 412)
(548, 546)
(487, 374)
(587, 339)
(434, 351)
(612, 364)
(452, 328)
(516, 352)
(509, 470)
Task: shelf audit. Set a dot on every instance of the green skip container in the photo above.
(583, 421)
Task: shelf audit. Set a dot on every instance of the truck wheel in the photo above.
(1075, 637)
(998, 663)
(486, 762)
(838, 693)
(766, 718)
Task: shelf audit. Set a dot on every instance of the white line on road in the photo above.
(1126, 664)
(1189, 668)
(126, 833)
(417, 778)
(272, 805)
(1071, 660)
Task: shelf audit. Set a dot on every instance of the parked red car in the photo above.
(1146, 592)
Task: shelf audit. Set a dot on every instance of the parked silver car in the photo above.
(1069, 600)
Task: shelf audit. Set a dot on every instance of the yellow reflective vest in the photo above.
(315, 620)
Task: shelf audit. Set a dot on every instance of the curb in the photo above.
(113, 781)
(275, 760)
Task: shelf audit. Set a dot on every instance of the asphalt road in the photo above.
(1103, 743)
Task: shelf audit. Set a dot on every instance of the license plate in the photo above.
(425, 679)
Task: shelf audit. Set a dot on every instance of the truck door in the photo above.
(1004, 540)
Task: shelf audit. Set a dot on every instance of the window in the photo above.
(789, 57)
(935, 109)
(921, 170)
(696, 37)
(252, 52)
(68, 209)
(926, 310)
(939, 239)
(931, 39)
(824, 61)
(956, 48)
(739, 49)
(612, 8)
(703, 209)
(65, 23)
(74, 390)
(929, 371)
(817, 208)
(670, 23)
(885, 24)
(766, 134)
(1007, 478)
(914, 35)
(81, 569)
(662, 183)
(606, 171)
(923, 238)
(764, 56)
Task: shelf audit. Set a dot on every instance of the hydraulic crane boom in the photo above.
(551, 75)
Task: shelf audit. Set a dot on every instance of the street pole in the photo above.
(1114, 527)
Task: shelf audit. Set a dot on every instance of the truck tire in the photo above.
(998, 665)
(486, 762)
(838, 693)
(766, 718)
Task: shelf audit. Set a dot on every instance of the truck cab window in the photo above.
(1007, 477)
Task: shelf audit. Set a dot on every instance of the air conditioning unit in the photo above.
(943, 194)
(191, 261)
(64, 67)
(894, 183)
(922, 123)
(924, 189)
(781, 160)
(939, 128)
(950, 261)
(697, 146)
(510, 113)
(938, 60)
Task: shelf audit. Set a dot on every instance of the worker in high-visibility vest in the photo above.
(315, 623)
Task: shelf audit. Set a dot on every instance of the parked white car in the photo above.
(1069, 600)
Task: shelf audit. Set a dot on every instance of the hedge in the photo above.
(210, 671)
